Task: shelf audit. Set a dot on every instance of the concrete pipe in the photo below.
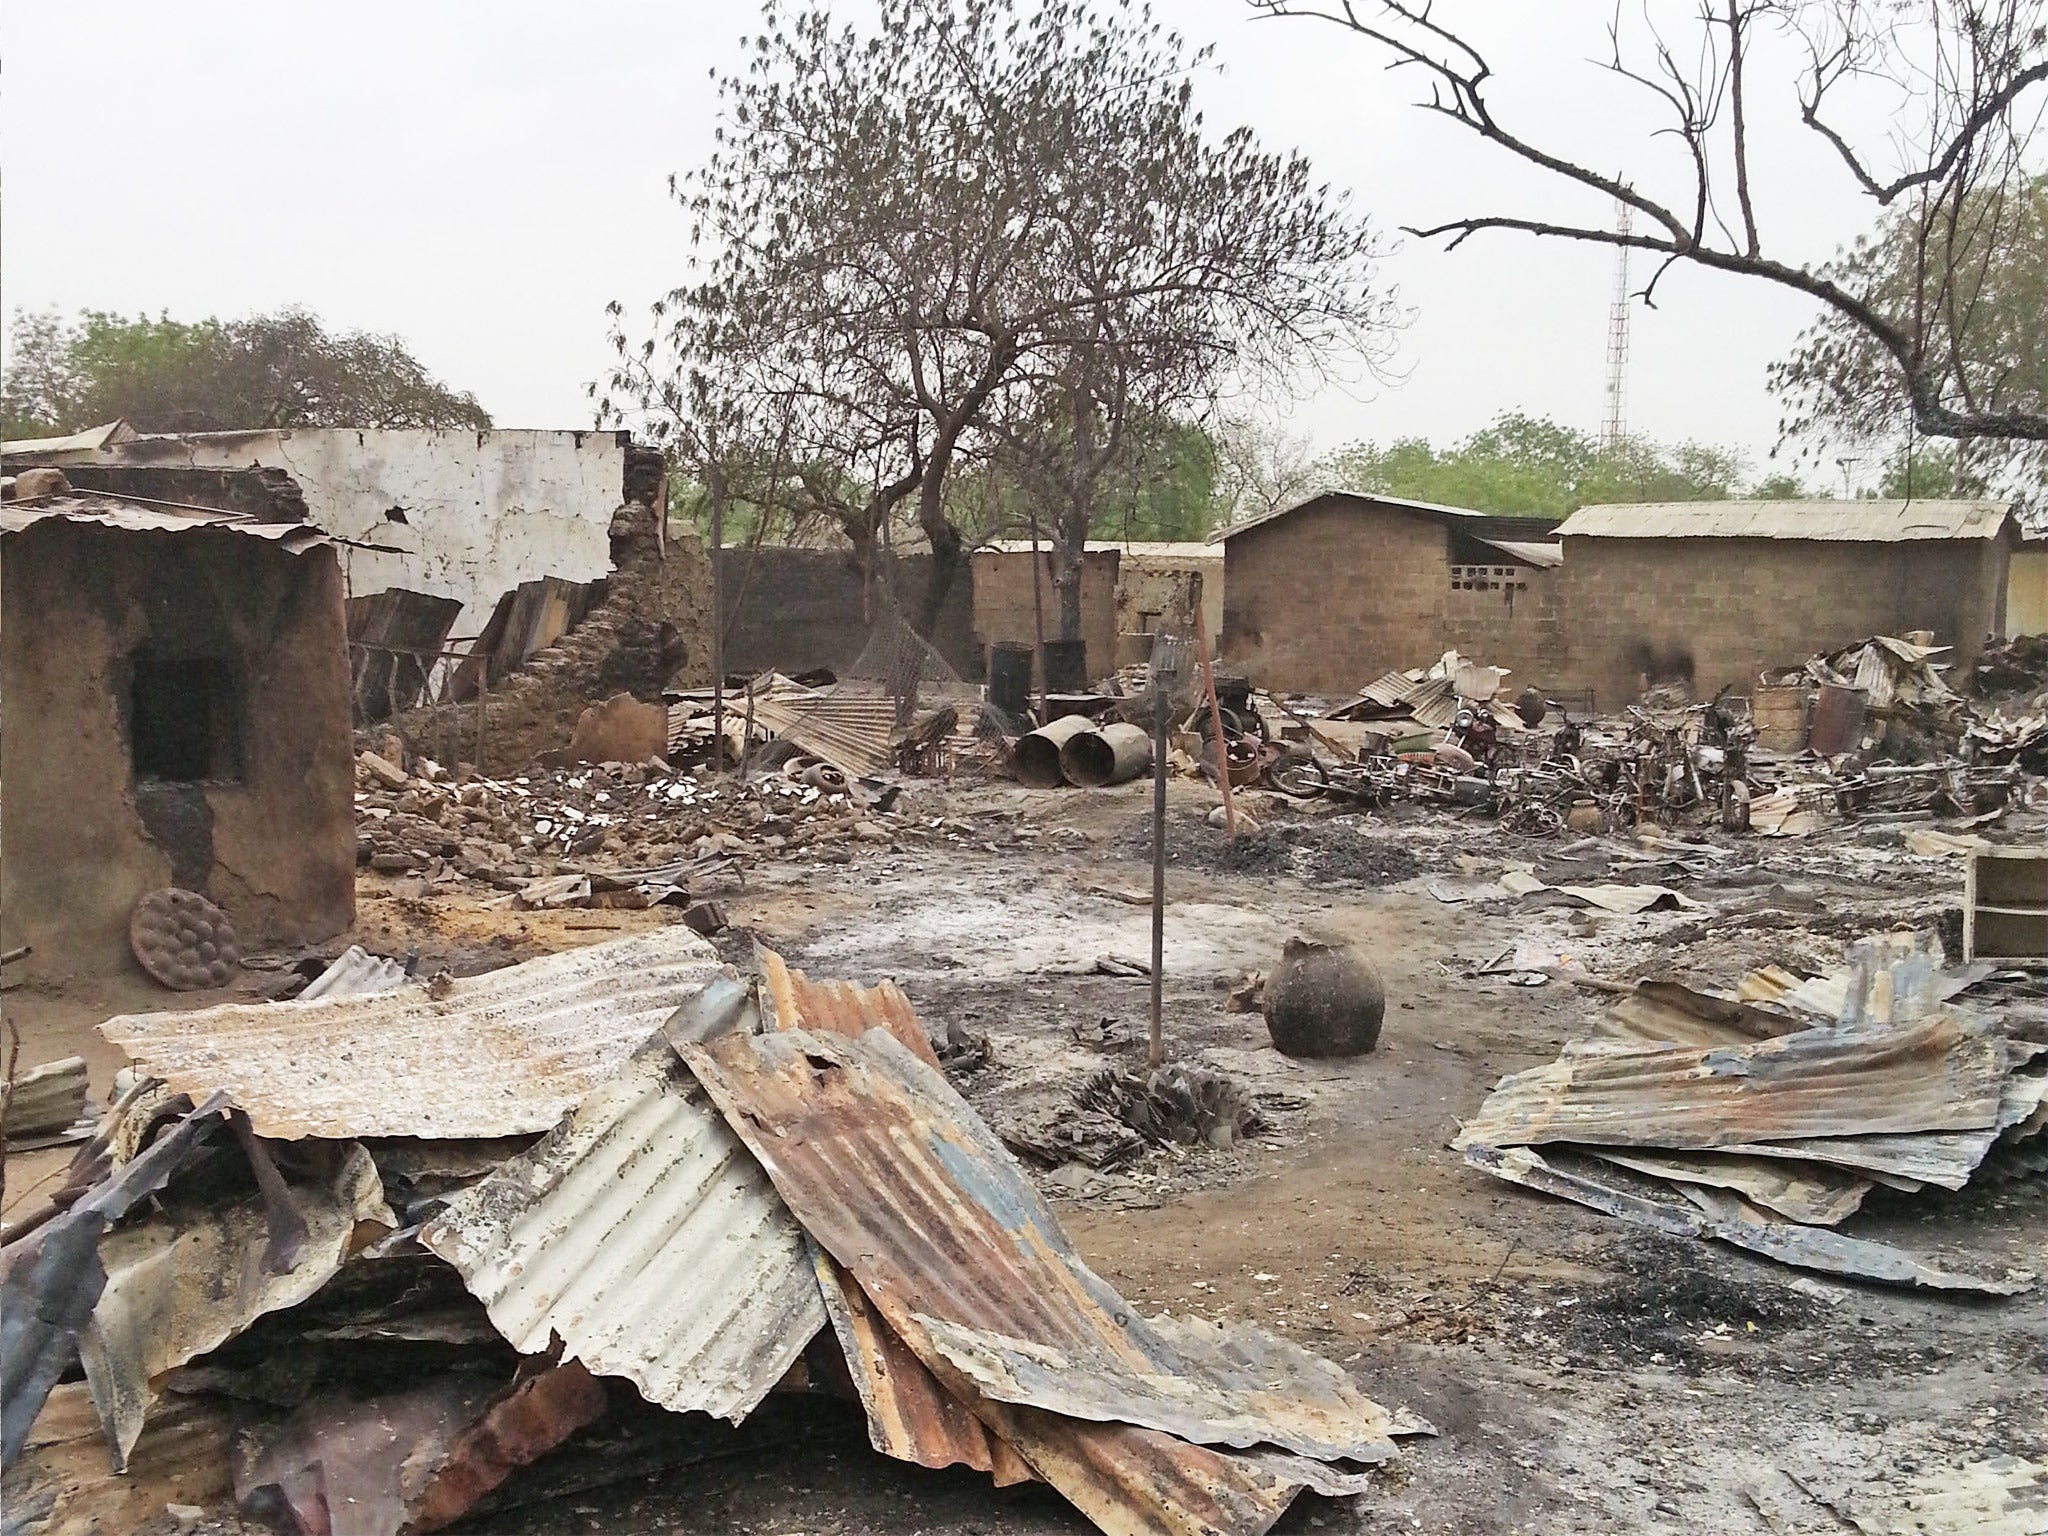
(1107, 756)
(1038, 752)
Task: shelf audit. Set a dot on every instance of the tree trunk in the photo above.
(939, 531)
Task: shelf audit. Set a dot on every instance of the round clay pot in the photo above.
(1324, 1000)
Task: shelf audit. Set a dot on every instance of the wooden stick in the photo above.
(1215, 715)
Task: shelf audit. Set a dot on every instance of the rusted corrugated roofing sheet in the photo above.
(131, 517)
(642, 1233)
(502, 1053)
(1808, 1192)
(894, 1175)
(910, 1415)
(841, 1007)
(1833, 521)
(1937, 1074)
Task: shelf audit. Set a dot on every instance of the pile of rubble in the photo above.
(421, 819)
(1763, 1118)
(1870, 733)
(358, 1262)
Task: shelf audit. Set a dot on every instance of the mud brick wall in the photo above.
(1723, 610)
(653, 628)
(1329, 598)
(794, 610)
(1002, 602)
(272, 839)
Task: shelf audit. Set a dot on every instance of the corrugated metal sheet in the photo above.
(109, 512)
(894, 1175)
(89, 441)
(358, 973)
(910, 1415)
(502, 1053)
(1544, 557)
(841, 1007)
(1462, 518)
(1734, 1221)
(849, 727)
(184, 1282)
(1933, 1075)
(1807, 1192)
(643, 1234)
(1834, 521)
(2003, 1495)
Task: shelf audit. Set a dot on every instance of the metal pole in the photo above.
(717, 622)
(1038, 621)
(1155, 1052)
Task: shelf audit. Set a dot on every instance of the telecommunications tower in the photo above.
(1615, 426)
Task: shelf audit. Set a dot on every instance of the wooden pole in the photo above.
(717, 479)
(1215, 709)
(1037, 620)
(1155, 1052)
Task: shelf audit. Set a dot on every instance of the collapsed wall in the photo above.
(653, 628)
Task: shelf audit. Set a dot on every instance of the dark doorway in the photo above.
(184, 718)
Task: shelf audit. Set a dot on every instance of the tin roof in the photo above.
(136, 517)
(501, 1053)
(1490, 526)
(1888, 522)
(1140, 549)
(643, 1234)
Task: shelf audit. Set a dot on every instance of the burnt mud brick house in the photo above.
(1126, 586)
(1326, 596)
(1711, 593)
(174, 710)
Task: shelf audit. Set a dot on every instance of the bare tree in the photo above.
(1959, 85)
(1261, 467)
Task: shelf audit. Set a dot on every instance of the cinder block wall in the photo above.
(796, 609)
(1329, 598)
(1727, 609)
(1002, 602)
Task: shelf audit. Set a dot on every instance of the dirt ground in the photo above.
(1584, 1376)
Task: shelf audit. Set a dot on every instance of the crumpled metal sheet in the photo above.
(502, 1053)
(1937, 1074)
(62, 1486)
(895, 1176)
(841, 1007)
(1807, 1192)
(1998, 1496)
(347, 1466)
(1733, 1221)
(528, 1422)
(52, 1278)
(910, 1415)
(184, 1282)
(357, 973)
(642, 1234)
(1671, 1013)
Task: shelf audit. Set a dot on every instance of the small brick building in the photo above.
(1328, 595)
(1126, 586)
(1712, 593)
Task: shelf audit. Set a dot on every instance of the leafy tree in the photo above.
(165, 375)
(1976, 271)
(1533, 466)
(1781, 487)
(981, 226)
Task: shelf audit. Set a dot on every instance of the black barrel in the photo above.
(1009, 677)
(1066, 666)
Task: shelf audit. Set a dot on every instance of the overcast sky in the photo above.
(482, 179)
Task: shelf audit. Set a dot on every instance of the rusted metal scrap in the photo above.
(899, 1180)
(190, 1277)
(51, 1279)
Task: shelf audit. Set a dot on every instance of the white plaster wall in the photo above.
(483, 511)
